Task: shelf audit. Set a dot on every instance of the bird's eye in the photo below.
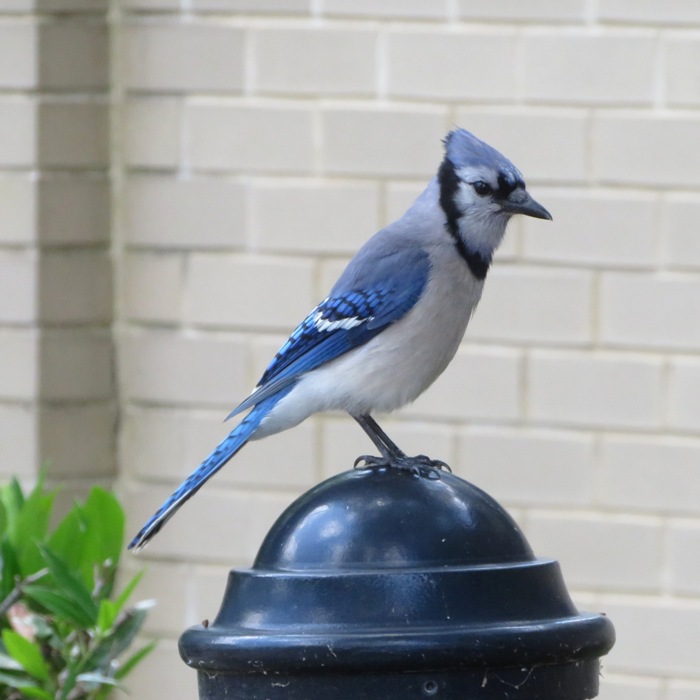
(481, 188)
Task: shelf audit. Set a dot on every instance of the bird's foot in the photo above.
(370, 462)
(420, 465)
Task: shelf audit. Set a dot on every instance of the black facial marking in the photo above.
(506, 184)
(449, 185)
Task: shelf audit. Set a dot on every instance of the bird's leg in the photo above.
(392, 455)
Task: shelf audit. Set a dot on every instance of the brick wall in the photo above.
(255, 144)
(57, 402)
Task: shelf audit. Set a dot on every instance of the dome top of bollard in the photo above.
(390, 519)
(382, 583)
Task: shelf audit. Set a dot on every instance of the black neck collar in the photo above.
(449, 184)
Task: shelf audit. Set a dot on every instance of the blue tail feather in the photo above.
(226, 449)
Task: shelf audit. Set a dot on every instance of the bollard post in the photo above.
(380, 584)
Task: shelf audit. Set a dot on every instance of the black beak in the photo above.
(520, 202)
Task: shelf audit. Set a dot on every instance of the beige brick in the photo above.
(402, 9)
(152, 286)
(19, 280)
(344, 440)
(162, 212)
(73, 134)
(533, 11)
(277, 7)
(528, 467)
(311, 61)
(258, 292)
(152, 5)
(168, 583)
(75, 287)
(168, 367)
(598, 390)
(183, 57)
(18, 65)
(70, 5)
(684, 394)
(682, 246)
(480, 383)
(601, 552)
(684, 550)
(74, 55)
(331, 270)
(79, 441)
(18, 117)
(19, 363)
(313, 216)
(152, 132)
(218, 525)
(17, 209)
(12, 6)
(595, 228)
(383, 142)
(207, 588)
(544, 144)
(644, 474)
(682, 74)
(418, 65)
(614, 687)
(655, 637)
(18, 438)
(168, 444)
(652, 11)
(634, 310)
(243, 137)
(73, 210)
(618, 68)
(263, 349)
(534, 304)
(76, 365)
(398, 198)
(641, 148)
(163, 673)
(683, 690)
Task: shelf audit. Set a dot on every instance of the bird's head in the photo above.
(480, 190)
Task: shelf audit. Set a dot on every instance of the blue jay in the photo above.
(393, 320)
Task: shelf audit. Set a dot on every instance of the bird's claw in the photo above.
(420, 465)
(370, 462)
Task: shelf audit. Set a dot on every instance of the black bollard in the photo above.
(381, 584)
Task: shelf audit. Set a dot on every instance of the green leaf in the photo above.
(28, 523)
(70, 586)
(8, 663)
(12, 500)
(26, 653)
(12, 681)
(134, 660)
(3, 518)
(9, 568)
(58, 605)
(33, 692)
(120, 636)
(96, 678)
(106, 615)
(67, 541)
(105, 541)
(121, 599)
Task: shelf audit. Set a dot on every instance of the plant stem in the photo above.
(16, 593)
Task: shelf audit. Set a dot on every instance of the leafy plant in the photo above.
(64, 634)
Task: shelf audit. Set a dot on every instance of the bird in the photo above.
(391, 323)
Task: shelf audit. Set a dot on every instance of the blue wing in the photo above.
(345, 320)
